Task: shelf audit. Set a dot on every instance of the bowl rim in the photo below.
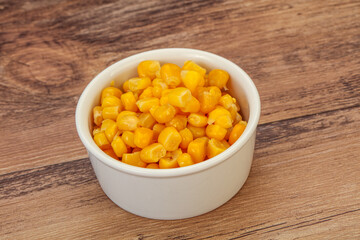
(92, 148)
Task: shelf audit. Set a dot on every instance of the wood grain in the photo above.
(304, 57)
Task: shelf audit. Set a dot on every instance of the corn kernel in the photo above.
(143, 137)
(128, 138)
(237, 132)
(125, 113)
(157, 128)
(218, 78)
(179, 97)
(198, 119)
(226, 101)
(129, 101)
(185, 160)
(153, 166)
(197, 132)
(170, 138)
(110, 101)
(110, 91)
(208, 98)
(159, 87)
(186, 138)
(133, 159)
(164, 113)
(147, 93)
(215, 131)
(148, 68)
(197, 149)
(145, 104)
(175, 154)
(119, 146)
(165, 163)
(101, 140)
(97, 115)
(110, 112)
(96, 130)
(110, 128)
(146, 120)
(179, 122)
(190, 65)
(139, 83)
(170, 73)
(214, 148)
(126, 86)
(152, 153)
(221, 117)
(192, 107)
(127, 123)
(191, 79)
(111, 153)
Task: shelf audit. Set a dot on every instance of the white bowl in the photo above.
(181, 192)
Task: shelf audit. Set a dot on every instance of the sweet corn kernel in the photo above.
(128, 100)
(128, 138)
(110, 130)
(146, 120)
(110, 91)
(221, 117)
(159, 87)
(190, 65)
(208, 98)
(157, 128)
(197, 149)
(97, 115)
(170, 73)
(191, 79)
(111, 153)
(143, 137)
(153, 166)
(215, 131)
(197, 132)
(193, 106)
(164, 113)
(96, 130)
(125, 113)
(126, 86)
(139, 83)
(218, 78)
(145, 104)
(197, 119)
(147, 93)
(179, 97)
(118, 146)
(170, 138)
(233, 109)
(101, 140)
(133, 159)
(179, 122)
(237, 132)
(164, 97)
(148, 68)
(110, 101)
(175, 154)
(127, 123)
(152, 153)
(185, 160)
(214, 147)
(226, 101)
(165, 163)
(186, 138)
(110, 112)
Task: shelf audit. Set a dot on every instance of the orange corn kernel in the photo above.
(170, 73)
(214, 147)
(197, 132)
(145, 104)
(197, 149)
(198, 119)
(118, 146)
(146, 120)
(164, 113)
(110, 101)
(97, 115)
(133, 159)
(208, 98)
(185, 160)
(170, 138)
(179, 97)
(111, 153)
(237, 132)
(165, 163)
(126, 86)
(127, 123)
(111, 112)
(110, 91)
(186, 138)
(193, 106)
(152, 153)
(128, 138)
(143, 137)
(191, 79)
(153, 166)
(147, 93)
(218, 78)
(102, 141)
(128, 100)
(148, 68)
(139, 83)
(190, 65)
(179, 122)
(157, 128)
(216, 131)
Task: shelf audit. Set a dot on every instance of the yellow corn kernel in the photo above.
(190, 65)
(225, 143)
(101, 140)
(191, 79)
(110, 101)
(165, 163)
(226, 101)
(216, 131)
(143, 137)
(111, 153)
(208, 98)
(164, 96)
(125, 113)
(197, 149)
(220, 116)
(179, 97)
(153, 166)
(152, 153)
(197, 132)
(145, 104)
(179, 122)
(110, 91)
(170, 73)
(193, 106)
(186, 138)
(238, 118)
(214, 148)
(128, 138)
(234, 111)
(148, 68)
(228, 131)
(126, 86)
(96, 130)
(157, 128)
(139, 83)
(164, 113)
(129, 101)
(158, 87)
(218, 78)
(110, 128)
(118, 146)
(111, 112)
(237, 132)
(197, 119)
(185, 160)
(146, 120)
(175, 154)
(147, 93)
(127, 123)
(170, 138)
(133, 159)
(97, 115)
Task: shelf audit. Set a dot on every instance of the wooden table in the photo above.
(304, 57)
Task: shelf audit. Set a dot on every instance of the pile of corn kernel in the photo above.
(167, 116)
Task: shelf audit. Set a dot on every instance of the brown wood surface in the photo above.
(304, 57)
